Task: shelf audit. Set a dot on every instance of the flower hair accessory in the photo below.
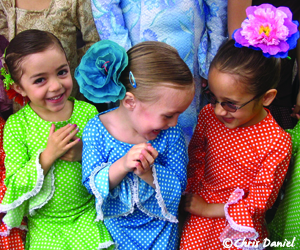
(99, 71)
(8, 82)
(268, 29)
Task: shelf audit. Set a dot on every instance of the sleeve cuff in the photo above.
(238, 228)
(33, 192)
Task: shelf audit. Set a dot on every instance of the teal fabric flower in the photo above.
(99, 71)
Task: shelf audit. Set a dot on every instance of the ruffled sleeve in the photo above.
(214, 34)
(262, 193)
(24, 175)
(110, 23)
(169, 172)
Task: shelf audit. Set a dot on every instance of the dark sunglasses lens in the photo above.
(229, 106)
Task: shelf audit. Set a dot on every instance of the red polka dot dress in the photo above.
(242, 168)
(9, 238)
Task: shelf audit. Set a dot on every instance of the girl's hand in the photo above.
(196, 205)
(296, 111)
(59, 142)
(74, 153)
(138, 160)
(146, 159)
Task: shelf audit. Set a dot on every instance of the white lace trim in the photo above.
(36, 189)
(158, 196)
(134, 197)
(32, 210)
(131, 210)
(99, 199)
(160, 199)
(106, 245)
(235, 226)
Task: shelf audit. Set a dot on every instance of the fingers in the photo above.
(188, 201)
(139, 158)
(52, 129)
(66, 133)
(147, 156)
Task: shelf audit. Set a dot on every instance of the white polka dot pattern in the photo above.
(253, 159)
(65, 214)
(286, 223)
(9, 238)
(137, 215)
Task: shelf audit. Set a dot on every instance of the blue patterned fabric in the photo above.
(195, 28)
(137, 215)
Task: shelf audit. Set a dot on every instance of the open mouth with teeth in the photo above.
(55, 98)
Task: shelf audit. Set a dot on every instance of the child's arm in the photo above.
(57, 145)
(195, 204)
(245, 205)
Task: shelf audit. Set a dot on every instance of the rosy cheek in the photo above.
(147, 115)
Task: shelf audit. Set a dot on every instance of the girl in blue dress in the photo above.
(134, 156)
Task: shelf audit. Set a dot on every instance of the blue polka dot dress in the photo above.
(137, 215)
(61, 213)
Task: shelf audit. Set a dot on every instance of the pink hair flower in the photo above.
(269, 29)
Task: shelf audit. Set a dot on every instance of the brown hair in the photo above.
(155, 64)
(26, 43)
(251, 67)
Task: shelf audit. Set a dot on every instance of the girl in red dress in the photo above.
(238, 155)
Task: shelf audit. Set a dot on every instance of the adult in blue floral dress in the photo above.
(195, 28)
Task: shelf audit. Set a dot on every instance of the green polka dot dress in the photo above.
(61, 213)
(286, 223)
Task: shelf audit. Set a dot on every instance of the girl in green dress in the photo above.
(43, 150)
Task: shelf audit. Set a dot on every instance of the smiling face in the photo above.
(149, 118)
(226, 88)
(46, 81)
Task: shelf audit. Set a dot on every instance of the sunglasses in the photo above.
(228, 106)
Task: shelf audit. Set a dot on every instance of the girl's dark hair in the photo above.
(251, 67)
(155, 64)
(26, 43)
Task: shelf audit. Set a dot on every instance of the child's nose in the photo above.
(219, 110)
(55, 85)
